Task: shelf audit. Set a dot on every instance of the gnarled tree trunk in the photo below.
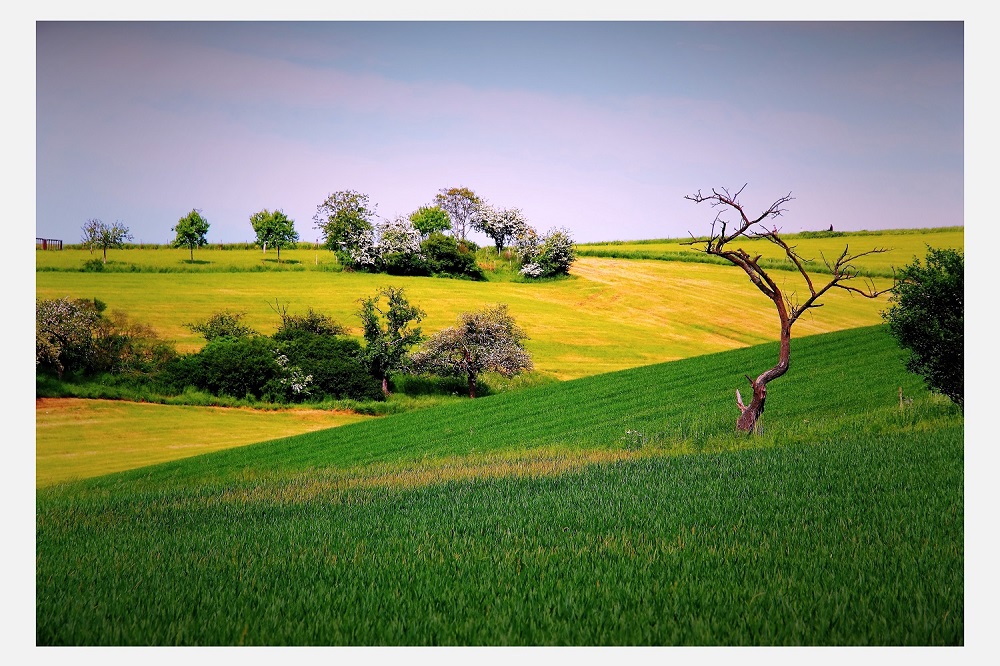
(749, 420)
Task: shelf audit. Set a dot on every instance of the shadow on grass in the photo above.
(282, 262)
(201, 262)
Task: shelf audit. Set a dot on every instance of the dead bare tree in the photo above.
(788, 306)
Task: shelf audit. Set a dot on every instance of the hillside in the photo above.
(614, 509)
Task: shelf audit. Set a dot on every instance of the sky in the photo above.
(601, 127)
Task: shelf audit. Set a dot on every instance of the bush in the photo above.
(927, 318)
(236, 367)
(301, 366)
(405, 263)
(335, 366)
(446, 256)
(311, 323)
(545, 256)
(223, 324)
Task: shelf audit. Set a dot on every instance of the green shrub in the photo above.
(236, 367)
(335, 365)
(223, 324)
(315, 323)
(446, 256)
(927, 317)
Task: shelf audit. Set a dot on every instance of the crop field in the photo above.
(609, 315)
(76, 439)
(616, 509)
(902, 246)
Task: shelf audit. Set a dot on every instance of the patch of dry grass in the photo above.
(79, 439)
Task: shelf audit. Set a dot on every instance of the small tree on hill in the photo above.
(191, 230)
(97, 234)
(345, 219)
(388, 331)
(66, 330)
(788, 307)
(428, 219)
(484, 341)
(311, 323)
(927, 317)
(501, 225)
(274, 228)
(460, 203)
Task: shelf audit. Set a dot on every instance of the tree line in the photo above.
(432, 240)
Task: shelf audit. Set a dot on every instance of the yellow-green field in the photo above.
(902, 247)
(611, 314)
(78, 439)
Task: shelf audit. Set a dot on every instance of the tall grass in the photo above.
(616, 509)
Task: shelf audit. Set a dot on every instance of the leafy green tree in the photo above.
(345, 220)
(428, 219)
(98, 234)
(460, 203)
(484, 341)
(74, 335)
(388, 331)
(191, 230)
(274, 228)
(927, 317)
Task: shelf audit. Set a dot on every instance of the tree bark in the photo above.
(749, 420)
(385, 385)
(472, 385)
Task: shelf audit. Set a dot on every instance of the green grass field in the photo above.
(616, 509)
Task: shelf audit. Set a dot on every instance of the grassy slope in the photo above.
(842, 525)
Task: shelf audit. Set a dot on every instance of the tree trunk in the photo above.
(472, 385)
(385, 385)
(105, 254)
(750, 414)
(191, 247)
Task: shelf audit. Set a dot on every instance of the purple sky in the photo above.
(601, 127)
